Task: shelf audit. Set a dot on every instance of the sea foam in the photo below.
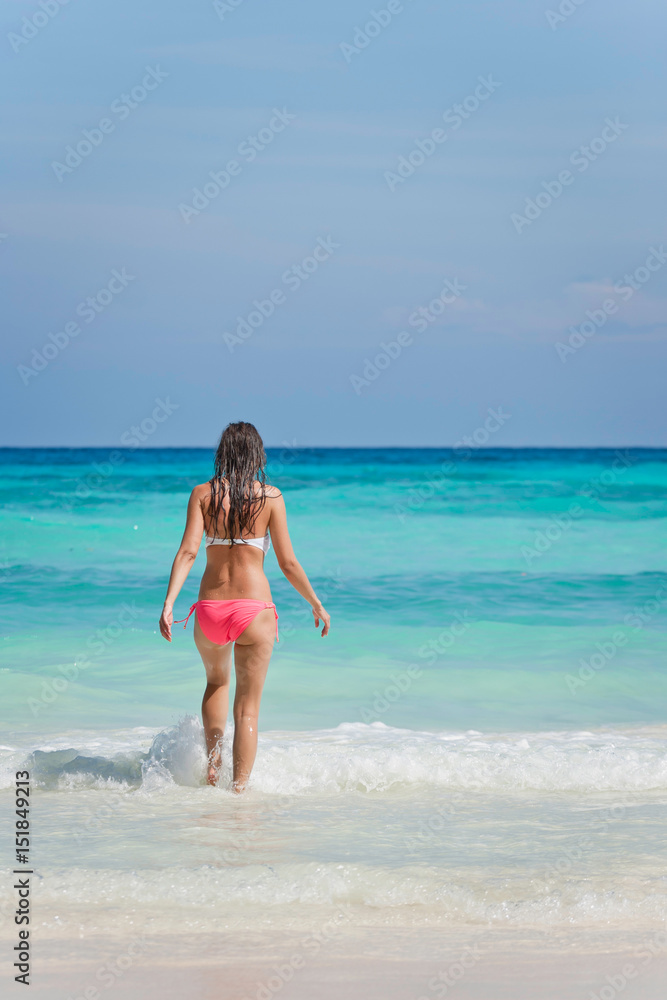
(355, 757)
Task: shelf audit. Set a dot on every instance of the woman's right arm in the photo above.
(290, 565)
(184, 561)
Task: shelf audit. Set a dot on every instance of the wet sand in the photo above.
(377, 965)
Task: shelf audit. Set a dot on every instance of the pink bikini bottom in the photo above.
(223, 621)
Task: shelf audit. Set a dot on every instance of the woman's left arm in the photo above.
(185, 557)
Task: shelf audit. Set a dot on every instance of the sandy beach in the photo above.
(380, 965)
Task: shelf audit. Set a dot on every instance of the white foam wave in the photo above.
(211, 896)
(376, 758)
(368, 759)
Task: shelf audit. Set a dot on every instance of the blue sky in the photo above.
(315, 117)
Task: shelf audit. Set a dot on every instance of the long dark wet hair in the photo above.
(239, 462)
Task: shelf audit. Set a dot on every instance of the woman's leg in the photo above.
(252, 653)
(217, 662)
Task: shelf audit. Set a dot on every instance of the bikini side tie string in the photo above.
(186, 620)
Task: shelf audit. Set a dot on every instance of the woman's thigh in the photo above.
(217, 659)
(252, 653)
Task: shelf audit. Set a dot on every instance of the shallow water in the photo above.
(479, 743)
(400, 828)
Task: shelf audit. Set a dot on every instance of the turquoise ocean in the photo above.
(479, 745)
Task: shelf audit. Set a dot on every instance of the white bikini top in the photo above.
(259, 543)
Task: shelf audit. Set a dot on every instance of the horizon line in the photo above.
(342, 447)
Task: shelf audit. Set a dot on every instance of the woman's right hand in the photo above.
(321, 615)
(166, 621)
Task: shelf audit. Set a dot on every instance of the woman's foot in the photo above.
(213, 769)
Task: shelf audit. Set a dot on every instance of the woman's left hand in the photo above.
(166, 620)
(322, 617)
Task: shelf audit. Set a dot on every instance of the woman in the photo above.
(236, 510)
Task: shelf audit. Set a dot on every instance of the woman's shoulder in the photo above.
(271, 492)
(201, 491)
